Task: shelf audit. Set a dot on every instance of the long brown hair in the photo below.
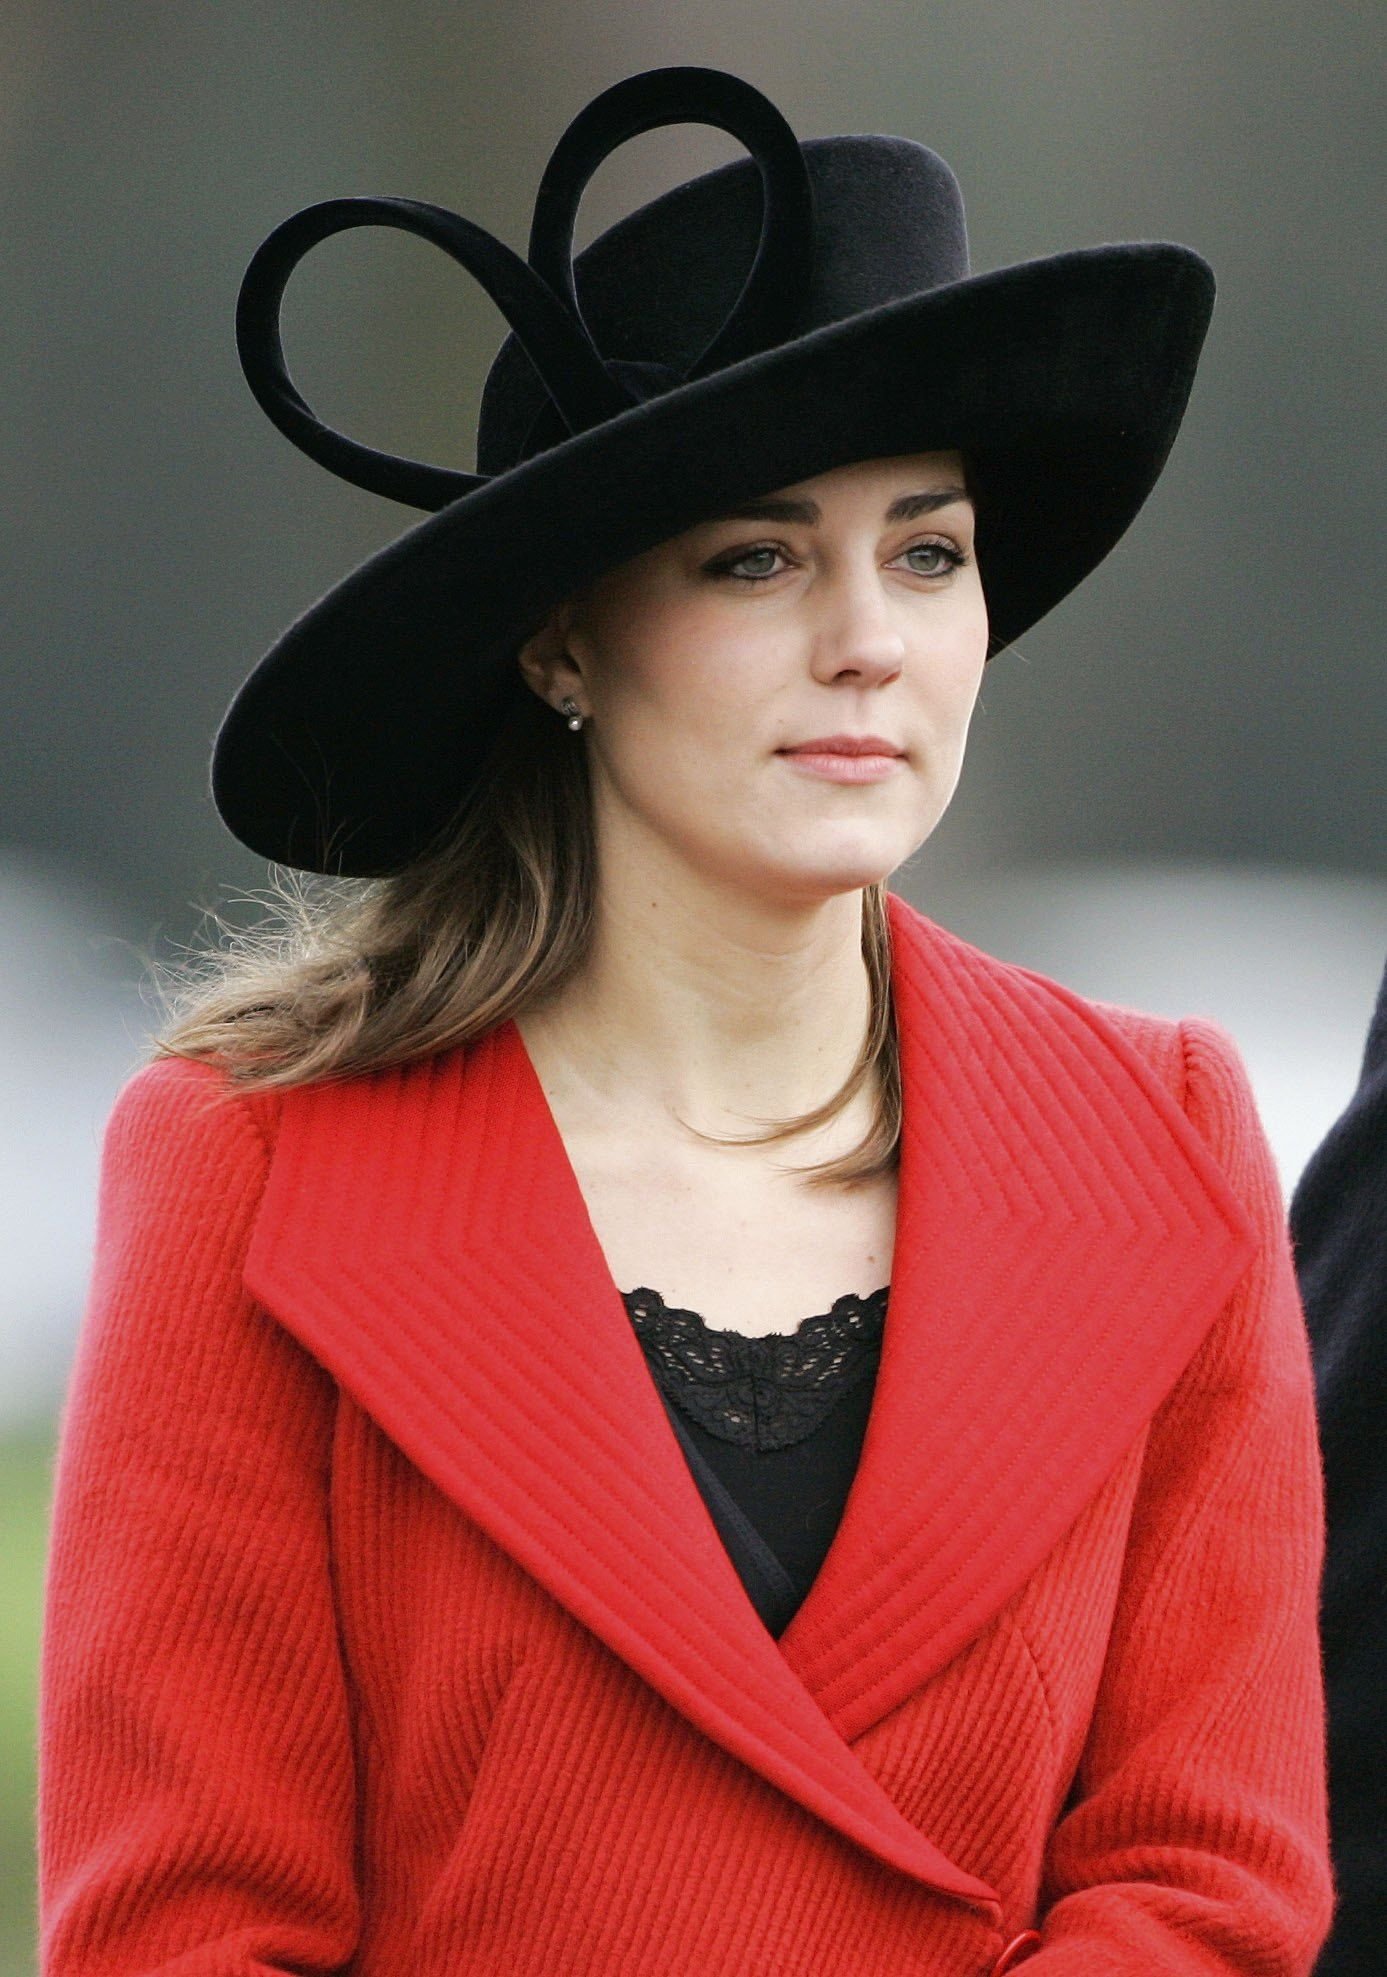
(338, 976)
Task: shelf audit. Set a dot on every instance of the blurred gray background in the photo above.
(1174, 792)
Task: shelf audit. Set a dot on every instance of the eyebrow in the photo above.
(781, 508)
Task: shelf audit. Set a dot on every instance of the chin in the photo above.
(837, 871)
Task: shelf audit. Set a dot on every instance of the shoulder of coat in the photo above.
(1155, 1039)
(173, 1095)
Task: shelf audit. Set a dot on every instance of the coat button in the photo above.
(1016, 1952)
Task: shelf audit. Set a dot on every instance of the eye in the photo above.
(730, 566)
(941, 558)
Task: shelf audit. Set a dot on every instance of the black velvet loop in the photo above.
(584, 391)
(767, 310)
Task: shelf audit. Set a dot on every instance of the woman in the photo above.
(500, 1525)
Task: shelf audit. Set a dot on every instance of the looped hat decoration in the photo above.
(786, 313)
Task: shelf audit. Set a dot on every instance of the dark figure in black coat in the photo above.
(1339, 1223)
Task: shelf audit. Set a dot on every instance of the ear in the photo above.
(546, 662)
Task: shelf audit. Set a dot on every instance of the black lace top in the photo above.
(772, 1428)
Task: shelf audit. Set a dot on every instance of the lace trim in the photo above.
(765, 1392)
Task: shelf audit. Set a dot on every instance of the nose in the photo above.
(856, 634)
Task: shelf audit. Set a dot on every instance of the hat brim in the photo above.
(1062, 382)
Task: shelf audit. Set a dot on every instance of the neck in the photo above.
(714, 1008)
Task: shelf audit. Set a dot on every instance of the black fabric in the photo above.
(888, 222)
(790, 1476)
(574, 374)
(768, 305)
(768, 1585)
(1062, 381)
(760, 1392)
(1339, 1226)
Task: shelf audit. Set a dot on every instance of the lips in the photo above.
(844, 745)
(845, 758)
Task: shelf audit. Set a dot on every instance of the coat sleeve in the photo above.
(196, 1776)
(1195, 1838)
(1339, 1223)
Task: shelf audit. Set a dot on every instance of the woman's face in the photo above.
(843, 610)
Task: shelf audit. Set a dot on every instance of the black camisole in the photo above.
(772, 1428)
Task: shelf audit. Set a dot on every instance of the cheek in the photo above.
(684, 751)
(681, 689)
(953, 670)
(966, 682)
(660, 734)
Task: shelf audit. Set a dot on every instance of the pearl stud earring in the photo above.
(569, 706)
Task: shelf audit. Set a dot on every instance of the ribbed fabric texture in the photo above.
(301, 1714)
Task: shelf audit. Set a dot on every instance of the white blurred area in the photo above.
(1289, 962)
(71, 1028)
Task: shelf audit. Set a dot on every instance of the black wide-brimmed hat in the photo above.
(787, 313)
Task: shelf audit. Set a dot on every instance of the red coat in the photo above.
(388, 1633)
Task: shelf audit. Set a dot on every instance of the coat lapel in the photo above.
(424, 1236)
(1063, 1240)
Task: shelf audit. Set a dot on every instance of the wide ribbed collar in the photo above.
(1064, 1238)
